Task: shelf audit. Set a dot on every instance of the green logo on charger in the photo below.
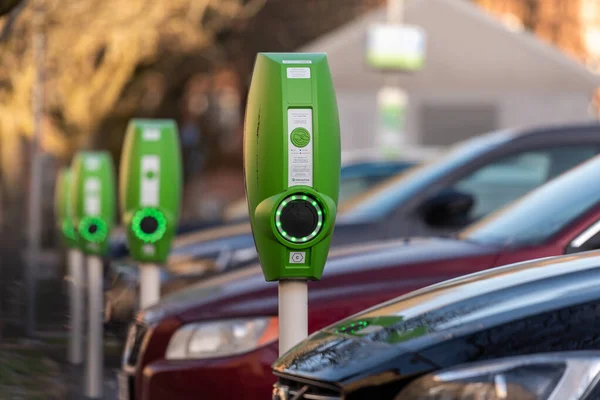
(300, 137)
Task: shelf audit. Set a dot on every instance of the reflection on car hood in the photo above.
(245, 290)
(447, 323)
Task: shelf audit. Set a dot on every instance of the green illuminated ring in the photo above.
(96, 237)
(68, 229)
(310, 236)
(152, 213)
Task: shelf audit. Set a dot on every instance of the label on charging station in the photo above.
(150, 183)
(92, 203)
(298, 73)
(150, 188)
(300, 154)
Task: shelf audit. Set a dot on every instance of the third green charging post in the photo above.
(292, 173)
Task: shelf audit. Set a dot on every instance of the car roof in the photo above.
(587, 129)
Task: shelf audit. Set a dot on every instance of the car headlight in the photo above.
(558, 376)
(221, 338)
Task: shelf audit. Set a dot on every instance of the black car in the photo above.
(524, 331)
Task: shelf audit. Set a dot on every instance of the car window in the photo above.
(509, 178)
(352, 187)
(543, 212)
(384, 198)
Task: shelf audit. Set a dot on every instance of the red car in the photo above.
(217, 340)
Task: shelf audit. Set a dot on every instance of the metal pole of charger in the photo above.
(76, 273)
(293, 313)
(149, 285)
(95, 349)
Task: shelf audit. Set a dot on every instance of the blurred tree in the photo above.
(7, 6)
(107, 61)
(558, 22)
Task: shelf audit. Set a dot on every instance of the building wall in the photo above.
(359, 118)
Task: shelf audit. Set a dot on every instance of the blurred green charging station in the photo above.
(150, 183)
(92, 204)
(292, 173)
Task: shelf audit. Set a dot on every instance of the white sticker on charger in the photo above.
(298, 73)
(150, 181)
(151, 134)
(92, 163)
(297, 257)
(300, 154)
(296, 62)
(91, 196)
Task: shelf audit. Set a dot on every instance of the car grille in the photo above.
(287, 390)
(135, 339)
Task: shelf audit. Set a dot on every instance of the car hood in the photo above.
(444, 324)
(245, 292)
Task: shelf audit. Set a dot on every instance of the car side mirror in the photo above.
(448, 209)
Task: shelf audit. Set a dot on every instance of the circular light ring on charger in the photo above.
(161, 225)
(68, 229)
(310, 236)
(99, 227)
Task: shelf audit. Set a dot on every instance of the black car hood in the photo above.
(460, 320)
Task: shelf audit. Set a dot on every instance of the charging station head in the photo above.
(92, 200)
(62, 212)
(150, 183)
(292, 163)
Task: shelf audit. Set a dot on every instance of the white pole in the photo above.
(149, 285)
(293, 313)
(76, 303)
(95, 350)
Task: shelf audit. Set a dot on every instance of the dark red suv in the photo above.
(217, 340)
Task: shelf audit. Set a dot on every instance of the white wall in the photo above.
(524, 110)
(358, 112)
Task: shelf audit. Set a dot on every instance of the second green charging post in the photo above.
(150, 183)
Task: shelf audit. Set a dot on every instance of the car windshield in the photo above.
(544, 212)
(352, 187)
(385, 197)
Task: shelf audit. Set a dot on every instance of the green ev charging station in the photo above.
(150, 183)
(93, 200)
(92, 204)
(292, 173)
(75, 266)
